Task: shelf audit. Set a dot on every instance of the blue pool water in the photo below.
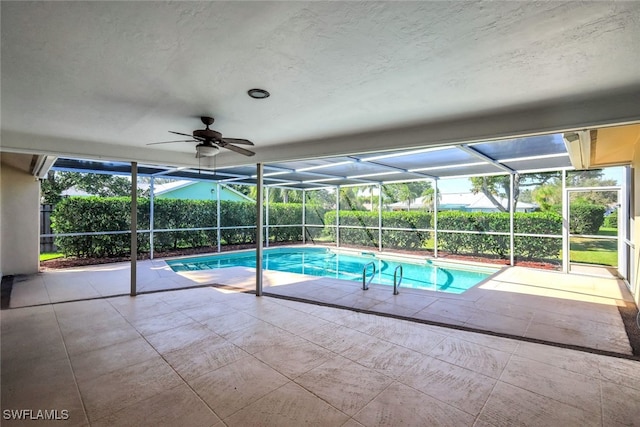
(346, 266)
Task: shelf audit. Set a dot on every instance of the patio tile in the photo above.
(176, 406)
(119, 389)
(32, 382)
(400, 405)
(497, 322)
(133, 308)
(415, 336)
(620, 371)
(230, 324)
(160, 323)
(208, 311)
(620, 404)
(512, 406)
(180, 337)
(346, 385)
(389, 359)
(236, 385)
(337, 338)
(570, 388)
(203, 356)
(34, 339)
(260, 337)
(497, 343)
(288, 405)
(90, 338)
(29, 293)
(71, 291)
(94, 363)
(570, 360)
(476, 357)
(294, 357)
(459, 387)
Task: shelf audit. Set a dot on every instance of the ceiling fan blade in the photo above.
(169, 142)
(183, 134)
(240, 150)
(238, 141)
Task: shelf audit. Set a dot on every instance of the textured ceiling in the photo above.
(103, 79)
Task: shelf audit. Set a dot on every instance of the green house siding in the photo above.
(202, 191)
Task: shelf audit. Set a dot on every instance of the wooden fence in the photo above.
(46, 243)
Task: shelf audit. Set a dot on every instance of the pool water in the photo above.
(346, 266)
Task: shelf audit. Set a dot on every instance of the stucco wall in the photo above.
(19, 221)
(636, 220)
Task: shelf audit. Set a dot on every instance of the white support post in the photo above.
(259, 234)
(435, 218)
(134, 227)
(218, 219)
(151, 213)
(379, 217)
(511, 219)
(565, 224)
(266, 241)
(338, 216)
(304, 217)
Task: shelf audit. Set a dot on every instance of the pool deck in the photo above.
(572, 310)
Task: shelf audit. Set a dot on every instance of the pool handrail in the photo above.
(396, 283)
(365, 284)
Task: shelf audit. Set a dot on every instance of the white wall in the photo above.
(19, 217)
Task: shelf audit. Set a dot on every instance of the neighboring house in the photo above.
(467, 202)
(182, 189)
(198, 190)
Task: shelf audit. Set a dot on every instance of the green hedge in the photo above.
(95, 214)
(283, 214)
(369, 237)
(585, 218)
(485, 244)
(611, 220)
(98, 214)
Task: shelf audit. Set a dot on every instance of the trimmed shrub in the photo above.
(611, 220)
(585, 218)
(284, 214)
(398, 239)
(104, 214)
(479, 244)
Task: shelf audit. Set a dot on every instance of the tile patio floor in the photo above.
(215, 357)
(574, 310)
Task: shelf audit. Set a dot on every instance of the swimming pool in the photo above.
(346, 266)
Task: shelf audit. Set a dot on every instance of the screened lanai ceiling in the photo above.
(521, 155)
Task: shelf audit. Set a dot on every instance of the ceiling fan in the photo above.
(210, 141)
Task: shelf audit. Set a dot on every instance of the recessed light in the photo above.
(258, 93)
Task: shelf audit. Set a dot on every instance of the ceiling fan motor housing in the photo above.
(207, 134)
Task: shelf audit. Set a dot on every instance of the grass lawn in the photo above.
(48, 256)
(595, 251)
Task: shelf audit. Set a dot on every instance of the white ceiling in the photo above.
(103, 79)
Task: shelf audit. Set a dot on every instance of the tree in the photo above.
(96, 184)
(405, 192)
(499, 186)
(428, 196)
(349, 200)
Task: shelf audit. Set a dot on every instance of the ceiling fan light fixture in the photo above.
(206, 150)
(258, 93)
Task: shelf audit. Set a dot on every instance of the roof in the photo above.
(533, 154)
(477, 201)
